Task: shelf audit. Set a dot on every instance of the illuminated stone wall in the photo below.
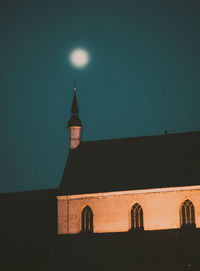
(112, 210)
(75, 136)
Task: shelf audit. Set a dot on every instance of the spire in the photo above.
(74, 108)
(74, 120)
(74, 124)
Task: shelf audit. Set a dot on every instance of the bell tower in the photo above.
(74, 124)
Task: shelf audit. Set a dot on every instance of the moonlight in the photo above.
(79, 58)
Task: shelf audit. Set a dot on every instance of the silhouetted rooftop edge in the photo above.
(27, 192)
(131, 138)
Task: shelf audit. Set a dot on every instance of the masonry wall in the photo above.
(112, 211)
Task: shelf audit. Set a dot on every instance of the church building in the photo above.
(146, 183)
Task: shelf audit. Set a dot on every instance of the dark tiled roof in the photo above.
(133, 163)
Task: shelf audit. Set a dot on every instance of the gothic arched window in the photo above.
(136, 217)
(87, 219)
(187, 209)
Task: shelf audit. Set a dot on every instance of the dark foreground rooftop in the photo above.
(27, 229)
(174, 250)
(133, 163)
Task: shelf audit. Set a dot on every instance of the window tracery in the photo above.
(87, 219)
(136, 217)
(188, 217)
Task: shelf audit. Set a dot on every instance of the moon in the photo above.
(79, 58)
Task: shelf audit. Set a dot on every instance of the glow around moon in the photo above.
(79, 58)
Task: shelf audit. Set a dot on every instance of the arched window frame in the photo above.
(137, 217)
(187, 214)
(87, 219)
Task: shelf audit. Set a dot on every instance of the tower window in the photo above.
(188, 217)
(87, 219)
(136, 217)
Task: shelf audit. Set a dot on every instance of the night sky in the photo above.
(143, 78)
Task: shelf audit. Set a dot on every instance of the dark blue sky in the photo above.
(143, 78)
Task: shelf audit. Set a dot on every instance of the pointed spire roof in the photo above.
(74, 120)
(74, 108)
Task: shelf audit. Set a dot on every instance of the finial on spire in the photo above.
(74, 85)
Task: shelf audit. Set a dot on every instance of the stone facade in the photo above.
(75, 136)
(112, 210)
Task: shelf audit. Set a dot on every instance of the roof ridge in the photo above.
(138, 137)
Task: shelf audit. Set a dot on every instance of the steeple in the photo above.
(74, 124)
(74, 109)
